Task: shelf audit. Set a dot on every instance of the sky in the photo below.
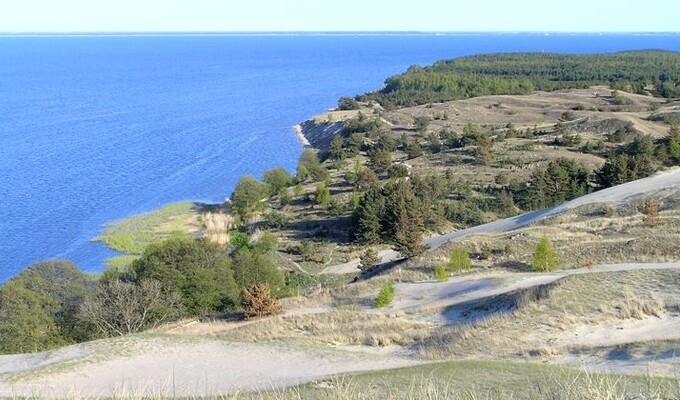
(339, 15)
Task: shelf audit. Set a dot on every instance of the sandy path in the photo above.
(666, 181)
(164, 366)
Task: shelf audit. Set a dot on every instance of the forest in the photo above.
(656, 72)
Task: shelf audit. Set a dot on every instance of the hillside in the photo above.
(408, 237)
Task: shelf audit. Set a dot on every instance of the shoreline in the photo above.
(301, 136)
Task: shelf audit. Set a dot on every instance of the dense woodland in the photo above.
(363, 189)
(657, 72)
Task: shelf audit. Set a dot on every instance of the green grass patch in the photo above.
(133, 235)
(472, 380)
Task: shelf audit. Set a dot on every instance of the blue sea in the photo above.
(97, 128)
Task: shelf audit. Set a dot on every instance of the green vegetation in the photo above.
(460, 259)
(545, 257)
(39, 308)
(441, 273)
(385, 296)
(522, 73)
(132, 235)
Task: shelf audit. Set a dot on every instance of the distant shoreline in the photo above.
(338, 33)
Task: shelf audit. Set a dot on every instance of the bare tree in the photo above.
(120, 308)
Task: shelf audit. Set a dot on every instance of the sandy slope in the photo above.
(656, 184)
(171, 366)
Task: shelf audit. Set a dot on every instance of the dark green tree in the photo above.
(198, 271)
(248, 196)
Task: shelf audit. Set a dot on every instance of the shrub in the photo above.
(650, 208)
(545, 257)
(323, 196)
(258, 301)
(369, 260)
(385, 296)
(441, 274)
(460, 259)
(347, 103)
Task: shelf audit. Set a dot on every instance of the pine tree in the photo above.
(545, 257)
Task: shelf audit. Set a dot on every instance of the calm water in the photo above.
(94, 129)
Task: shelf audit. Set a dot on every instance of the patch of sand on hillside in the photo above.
(188, 367)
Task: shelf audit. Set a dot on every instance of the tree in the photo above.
(248, 196)
(484, 150)
(545, 257)
(347, 103)
(61, 284)
(404, 220)
(309, 166)
(120, 308)
(278, 180)
(397, 171)
(650, 208)
(254, 267)
(413, 149)
(459, 260)
(26, 324)
(368, 260)
(367, 179)
(323, 196)
(381, 160)
(367, 217)
(258, 301)
(421, 123)
(198, 271)
(336, 148)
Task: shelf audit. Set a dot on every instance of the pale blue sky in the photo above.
(339, 15)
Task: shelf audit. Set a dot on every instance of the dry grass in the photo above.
(350, 327)
(534, 321)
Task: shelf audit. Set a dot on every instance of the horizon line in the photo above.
(388, 32)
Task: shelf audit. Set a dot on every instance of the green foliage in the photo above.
(248, 196)
(198, 271)
(459, 260)
(238, 239)
(381, 160)
(254, 267)
(562, 180)
(397, 171)
(63, 285)
(441, 273)
(421, 123)
(278, 179)
(336, 148)
(309, 167)
(413, 149)
(369, 260)
(323, 195)
(385, 296)
(522, 73)
(134, 234)
(545, 257)
(393, 214)
(674, 149)
(26, 322)
(347, 103)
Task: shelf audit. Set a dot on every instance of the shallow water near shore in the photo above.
(95, 129)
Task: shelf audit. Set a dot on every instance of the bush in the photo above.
(460, 259)
(397, 171)
(441, 274)
(369, 260)
(385, 296)
(545, 257)
(650, 208)
(347, 103)
(258, 301)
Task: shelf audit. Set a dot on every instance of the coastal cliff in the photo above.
(318, 133)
